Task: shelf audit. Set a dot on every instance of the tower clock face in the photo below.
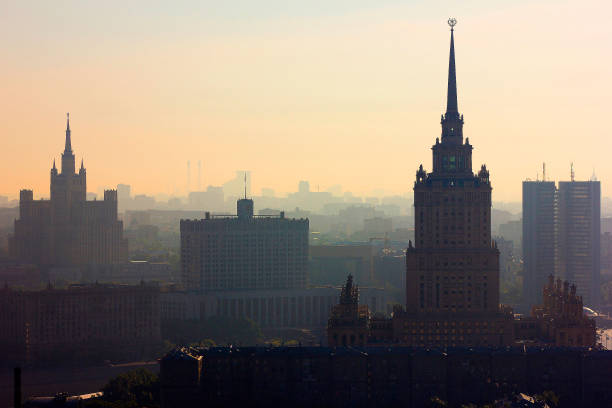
(449, 162)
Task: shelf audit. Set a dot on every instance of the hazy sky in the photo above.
(334, 92)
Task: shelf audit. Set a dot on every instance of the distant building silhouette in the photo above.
(304, 187)
(124, 197)
(244, 251)
(212, 199)
(236, 186)
(68, 230)
(579, 237)
(562, 236)
(539, 243)
(559, 319)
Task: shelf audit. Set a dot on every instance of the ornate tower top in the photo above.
(68, 146)
(67, 156)
(350, 293)
(451, 99)
(452, 121)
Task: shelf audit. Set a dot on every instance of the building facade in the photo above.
(561, 236)
(274, 309)
(559, 320)
(539, 239)
(81, 321)
(244, 252)
(379, 376)
(68, 230)
(579, 245)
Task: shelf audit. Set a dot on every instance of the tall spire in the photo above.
(451, 101)
(68, 147)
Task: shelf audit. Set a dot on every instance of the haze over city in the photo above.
(282, 204)
(347, 93)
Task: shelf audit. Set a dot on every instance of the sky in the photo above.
(333, 92)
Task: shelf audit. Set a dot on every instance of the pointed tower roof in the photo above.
(68, 146)
(451, 99)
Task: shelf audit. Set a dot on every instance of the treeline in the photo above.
(212, 331)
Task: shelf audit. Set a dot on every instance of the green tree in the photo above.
(214, 330)
(133, 389)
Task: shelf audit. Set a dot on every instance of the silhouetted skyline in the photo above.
(334, 94)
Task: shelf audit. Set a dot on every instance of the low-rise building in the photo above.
(379, 376)
(559, 322)
(305, 308)
(79, 322)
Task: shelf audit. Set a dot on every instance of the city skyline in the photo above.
(318, 93)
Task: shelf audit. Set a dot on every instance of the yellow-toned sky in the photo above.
(334, 92)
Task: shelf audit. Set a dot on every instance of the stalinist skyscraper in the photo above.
(67, 230)
(452, 271)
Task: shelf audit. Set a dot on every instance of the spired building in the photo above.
(67, 230)
(452, 271)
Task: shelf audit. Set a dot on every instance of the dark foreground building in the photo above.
(379, 377)
(82, 322)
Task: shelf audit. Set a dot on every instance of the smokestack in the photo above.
(188, 176)
(199, 175)
(17, 379)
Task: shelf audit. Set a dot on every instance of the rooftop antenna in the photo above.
(188, 176)
(543, 171)
(537, 176)
(199, 175)
(572, 173)
(594, 176)
(245, 185)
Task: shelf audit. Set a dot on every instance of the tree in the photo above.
(219, 330)
(436, 402)
(133, 389)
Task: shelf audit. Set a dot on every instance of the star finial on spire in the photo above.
(451, 100)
